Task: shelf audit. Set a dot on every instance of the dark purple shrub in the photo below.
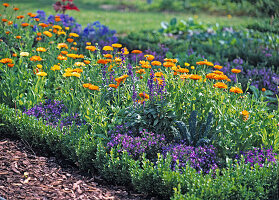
(55, 113)
(261, 156)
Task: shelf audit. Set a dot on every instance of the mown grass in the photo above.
(125, 21)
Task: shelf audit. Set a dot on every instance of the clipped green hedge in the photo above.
(238, 181)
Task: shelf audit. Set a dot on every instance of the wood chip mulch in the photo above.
(25, 175)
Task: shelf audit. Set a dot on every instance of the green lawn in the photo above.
(123, 21)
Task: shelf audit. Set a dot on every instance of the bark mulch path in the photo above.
(25, 175)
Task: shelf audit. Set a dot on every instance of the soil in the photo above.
(24, 174)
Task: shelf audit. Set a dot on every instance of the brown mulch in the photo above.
(25, 175)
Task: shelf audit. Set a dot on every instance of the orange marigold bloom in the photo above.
(156, 63)
(86, 62)
(245, 115)
(33, 15)
(158, 74)
(37, 19)
(158, 80)
(29, 13)
(15, 9)
(218, 72)
(90, 48)
(47, 33)
(149, 57)
(36, 58)
(43, 25)
(116, 45)
(86, 85)
(217, 67)
(70, 40)
(73, 35)
(121, 78)
(14, 55)
(39, 34)
(182, 70)
(220, 85)
(141, 71)
(236, 71)
(236, 90)
(136, 51)
(113, 86)
(263, 89)
(108, 56)
(108, 48)
(41, 49)
(195, 77)
(102, 61)
(93, 87)
(168, 64)
(144, 95)
(24, 24)
(10, 23)
(8, 32)
(4, 20)
(20, 17)
(6, 5)
(6, 60)
(60, 57)
(18, 37)
(71, 55)
(64, 52)
(38, 38)
(62, 45)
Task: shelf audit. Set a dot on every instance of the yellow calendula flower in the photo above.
(47, 33)
(78, 64)
(186, 64)
(108, 48)
(24, 54)
(76, 74)
(192, 67)
(73, 35)
(41, 74)
(55, 67)
(57, 27)
(39, 66)
(116, 45)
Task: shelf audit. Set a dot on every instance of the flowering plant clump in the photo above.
(61, 6)
(203, 159)
(147, 143)
(55, 113)
(260, 156)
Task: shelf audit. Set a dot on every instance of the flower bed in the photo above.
(161, 125)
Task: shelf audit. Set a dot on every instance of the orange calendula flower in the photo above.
(195, 77)
(90, 48)
(14, 55)
(20, 17)
(108, 56)
(116, 45)
(39, 34)
(71, 55)
(38, 38)
(113, 86)
(149, 57)
(11, 65)
(263, 89)
(141, 71)
(124, 51)
(43, 25)
(86, 85)
(41, 49)
(78, 70)
(108, 48)
(24, 24)
(70, 40)
(4, 20)
(158, 74)
(87, 62)
(94, 87)
(182, 70)
(220, 85)
(36, 58)
(6, 60)
(62, 45)
(144, 95)
(136, 51)
(6, 5)
(158, 80)
(47, 33)
(218, 72)
(102, 61)
(236, 71)
(8, 32)
(64, 52)
(10, 23)
(39, 66)
(156, 63)
(121, 78)
(37, 19)
(245, 115)
(33, 15)
(217, 67)
(168, 64)
(78, 64)
(236, 90)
